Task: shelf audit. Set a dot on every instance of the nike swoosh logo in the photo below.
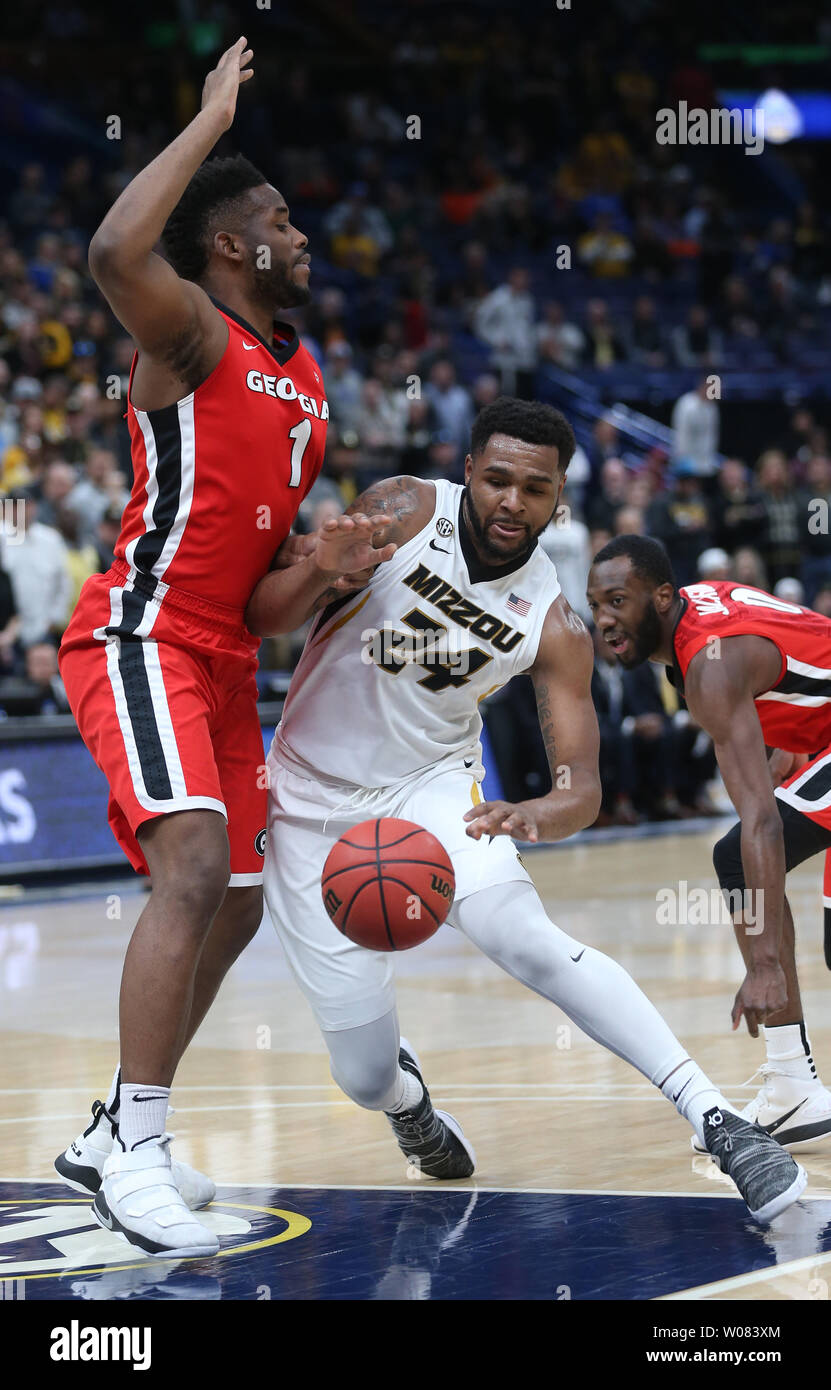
(469, 762)
(105, 1218)
(440, 548)
(776, 1124)
(249, 347)
(139, 1099)
(580, 957)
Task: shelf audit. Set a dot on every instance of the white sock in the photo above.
(693, 1094)
(789, 1050)
(143, 1113)
(411, 1093)
(112, 1102)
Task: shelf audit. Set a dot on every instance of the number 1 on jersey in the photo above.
(301, 434)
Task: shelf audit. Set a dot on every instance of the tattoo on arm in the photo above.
(397, 497)
(325, 598)
(546, 724)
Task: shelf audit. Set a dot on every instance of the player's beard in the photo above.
(646, 638)
(491, 552)
(275, 288)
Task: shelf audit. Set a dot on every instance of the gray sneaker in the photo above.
(431, 1140)
(767, 1177)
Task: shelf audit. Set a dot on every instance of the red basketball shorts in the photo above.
(162, 685)
(808, 791)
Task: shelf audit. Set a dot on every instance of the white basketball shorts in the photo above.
(345, 984)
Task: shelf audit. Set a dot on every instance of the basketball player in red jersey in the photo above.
(756, 674)
(227, 418)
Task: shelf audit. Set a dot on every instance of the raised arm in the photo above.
(562, 676)
(720, 694)
(171, 319)
(346, 553)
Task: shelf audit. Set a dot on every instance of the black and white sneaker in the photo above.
(431, 1140)
(82, 1164)
(795, 1111)
(138, 1199)
(767, 1177)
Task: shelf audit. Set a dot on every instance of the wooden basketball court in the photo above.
(572, 1145)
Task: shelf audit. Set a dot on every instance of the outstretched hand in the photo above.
(222, 84)
(503, 818)
(346, 546)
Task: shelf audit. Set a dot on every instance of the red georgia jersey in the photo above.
(795, 713)
(219, 475)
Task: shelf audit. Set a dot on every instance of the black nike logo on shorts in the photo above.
(580, 957)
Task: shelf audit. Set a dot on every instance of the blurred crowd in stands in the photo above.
(528, 224)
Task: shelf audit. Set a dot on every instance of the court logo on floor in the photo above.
(44, 1237)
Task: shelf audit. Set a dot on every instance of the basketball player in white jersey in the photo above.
(365, 734)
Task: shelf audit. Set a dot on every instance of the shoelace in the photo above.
(753, 1162)
(99, 1109)
(766, 1070)
(413, 1131)
(163, 1140)
(766, 1073)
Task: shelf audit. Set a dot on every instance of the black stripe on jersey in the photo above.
(168, 437)
(673, 672)
(143, 718)
(815, 786)
(792, 683)
(331, 609)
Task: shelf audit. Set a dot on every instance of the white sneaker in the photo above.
(139, 1200)
(82, 1164)
(796, 1113)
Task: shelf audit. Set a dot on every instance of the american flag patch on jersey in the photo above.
(519, 605)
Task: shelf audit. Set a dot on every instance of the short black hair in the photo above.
(530, 421)
(649, 559)
(216, 187)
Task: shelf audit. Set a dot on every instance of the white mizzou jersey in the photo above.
(390, 679)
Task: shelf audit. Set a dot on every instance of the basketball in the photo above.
(388, 884)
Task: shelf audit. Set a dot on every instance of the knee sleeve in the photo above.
(364, 1062)
(727, 860)
(508, 922)
(803, 838)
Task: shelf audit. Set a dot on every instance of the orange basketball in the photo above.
(388, 884)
